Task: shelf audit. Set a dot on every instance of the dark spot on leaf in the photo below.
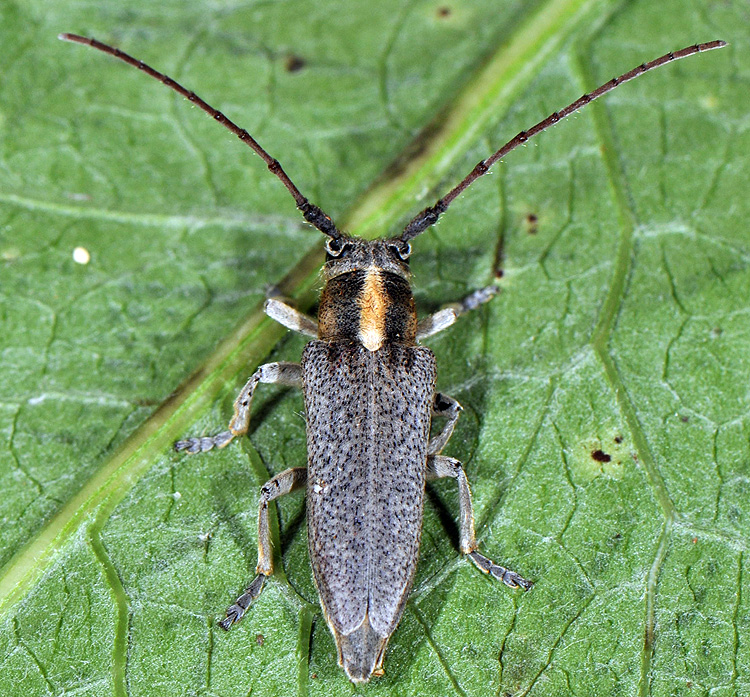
(293, 64)
(260, 639)
(717, 331)
(618, 439)
(444, 11)
(532, 221)
(600, 456)
(684, 419)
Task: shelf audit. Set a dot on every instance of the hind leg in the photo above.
(439, 466)
(278, 373)
(283, 483)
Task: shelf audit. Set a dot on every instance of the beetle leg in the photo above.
(290, 317)
(282, 483)
(442, 319)
(279, 373)
(439, 466)
(449, 408)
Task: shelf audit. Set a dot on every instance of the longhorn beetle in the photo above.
(370, 398)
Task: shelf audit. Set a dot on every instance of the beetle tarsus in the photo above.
(500, 573)
(477, 298)
(237, 611)
(204, 443)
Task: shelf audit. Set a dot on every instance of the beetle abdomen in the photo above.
(368, 421)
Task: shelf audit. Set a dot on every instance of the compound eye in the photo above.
(401, 250)
(334, 246)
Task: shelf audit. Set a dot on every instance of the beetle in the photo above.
(370, 399)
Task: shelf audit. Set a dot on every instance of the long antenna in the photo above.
(429, 216)
(312, 213)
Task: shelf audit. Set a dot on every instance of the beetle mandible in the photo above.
(370, 398)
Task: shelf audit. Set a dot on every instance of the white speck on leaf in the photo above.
(81, 255)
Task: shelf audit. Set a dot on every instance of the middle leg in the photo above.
(279, 373)
(445, 406)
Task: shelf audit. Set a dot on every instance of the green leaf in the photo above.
(606, 424)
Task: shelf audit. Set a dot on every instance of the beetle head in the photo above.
(345, 254)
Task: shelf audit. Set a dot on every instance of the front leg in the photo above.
(278, 373)
(439, 466)
(290, 317)
(442, 319)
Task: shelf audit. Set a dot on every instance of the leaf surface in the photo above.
(605, 430)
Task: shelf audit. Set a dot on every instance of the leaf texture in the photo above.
(605, 389)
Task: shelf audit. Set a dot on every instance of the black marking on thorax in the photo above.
(368, 306)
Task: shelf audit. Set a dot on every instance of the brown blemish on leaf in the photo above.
(293, 63)
(532, 221)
